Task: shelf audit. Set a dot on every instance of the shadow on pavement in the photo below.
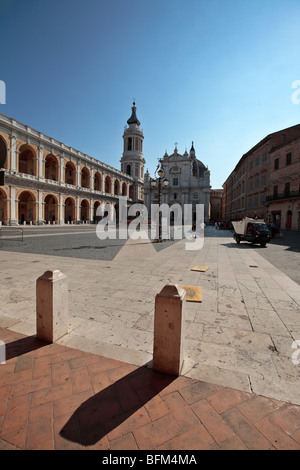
(23, 346)
(289, 239)
(106, 410)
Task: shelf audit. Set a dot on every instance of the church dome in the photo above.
(198, 168)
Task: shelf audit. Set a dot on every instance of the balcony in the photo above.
(282, 196)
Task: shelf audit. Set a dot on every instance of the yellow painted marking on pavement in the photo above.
(200, 268)
(193, 293)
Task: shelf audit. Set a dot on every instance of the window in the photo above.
(175, 195)
(276, 163)
(129, 143)
(262, 200)
(263, 180)
(283, 137)
(289, 158)
(264, 159)
(251, 165)
(275, 192)
(175, 181)
(256, 182)
(255, 201)
(257, 161)
(249, 202)
(250, 185)
(287, 189)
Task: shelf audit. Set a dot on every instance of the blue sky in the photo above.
(215, 72)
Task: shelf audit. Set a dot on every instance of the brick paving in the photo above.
(57, 398)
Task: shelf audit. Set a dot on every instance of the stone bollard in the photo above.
(169, 330)
(52, 306)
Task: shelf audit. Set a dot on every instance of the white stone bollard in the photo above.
(169, 330)
(52, 306)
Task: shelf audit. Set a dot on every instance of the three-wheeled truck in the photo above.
(254, 231)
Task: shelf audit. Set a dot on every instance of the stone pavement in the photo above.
(240, 341)
(57, 398)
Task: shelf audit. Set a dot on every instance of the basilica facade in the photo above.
(188, 182)
(48, 182)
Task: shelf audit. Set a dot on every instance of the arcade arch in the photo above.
(97, 181)
(85, 178)
(26, 208)
(85, 211)
(70, 173)
(3, 153)
(124, 189)
(69, 210)
(51, 168)
(117, 188)
(108, 184)
(27, 160)
(51, 209)
(3, 207)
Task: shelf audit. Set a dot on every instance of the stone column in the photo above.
(41, 162)
(78, 174)
(40, 207)
(92, 178)
(13, 217)
(169, 330)
(77, 209)
(61, 210)
(13, 154)
(52, 306)
(91, 211)
(62, 169)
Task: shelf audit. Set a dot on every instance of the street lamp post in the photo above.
(160, 179)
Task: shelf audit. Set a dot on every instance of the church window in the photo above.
(175, 181)
(129, 143)
(128, 170)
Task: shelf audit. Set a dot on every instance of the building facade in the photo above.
(266, 181)
(215, 210)
(189, 183)
(47, 181)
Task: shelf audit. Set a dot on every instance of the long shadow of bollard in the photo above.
(106, 410)
(23, 346)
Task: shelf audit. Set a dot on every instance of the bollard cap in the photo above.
(172, 290)
(52, 275)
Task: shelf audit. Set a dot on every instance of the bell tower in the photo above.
(132, 161)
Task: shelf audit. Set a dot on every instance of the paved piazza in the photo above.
(241, 335)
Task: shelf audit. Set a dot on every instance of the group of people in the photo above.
(274, 227)
(223, 225)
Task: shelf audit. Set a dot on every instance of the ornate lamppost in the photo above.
(159, 181)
